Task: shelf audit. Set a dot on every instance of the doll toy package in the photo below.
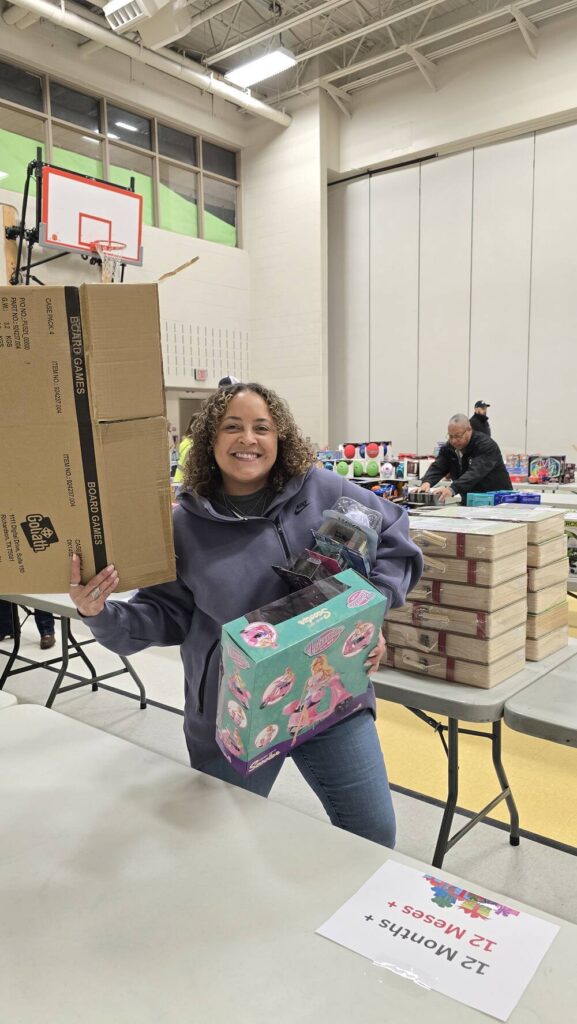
(346, 539)
(293, 668)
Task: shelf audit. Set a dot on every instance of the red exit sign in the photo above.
(200, 374)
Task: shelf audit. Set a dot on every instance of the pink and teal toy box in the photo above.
(293, 668)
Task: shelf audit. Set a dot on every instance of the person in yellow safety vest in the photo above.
(183, 450)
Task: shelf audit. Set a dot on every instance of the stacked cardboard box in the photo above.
(466, 619)
(547, 569)
(84, 456)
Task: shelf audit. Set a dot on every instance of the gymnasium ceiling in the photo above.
(341, 46)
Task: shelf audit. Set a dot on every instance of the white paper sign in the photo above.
(443, 937)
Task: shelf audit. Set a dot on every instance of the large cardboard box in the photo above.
(295, 667)
(84, 456)
(454, 645)
(467, 538)
(542, 523)
(482, 625)
(461, 595)
(473, 571)
(545, 622)
(546, 552)
(454, 670)
(543, 646)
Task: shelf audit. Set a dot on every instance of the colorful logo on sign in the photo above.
(259, 634)
(358, 598)
(324, 641)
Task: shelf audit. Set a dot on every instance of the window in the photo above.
(218, 160)
(178, 200)
(81, 154)
(73, 106)
(189, 185)
(128, 127)
(219, 211)
(177, 145)
(21, 87)
(20, 136)
(124, 165)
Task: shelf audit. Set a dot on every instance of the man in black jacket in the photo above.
(479, 420)
(472, 460)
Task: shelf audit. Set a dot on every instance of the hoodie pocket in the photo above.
(202, 686)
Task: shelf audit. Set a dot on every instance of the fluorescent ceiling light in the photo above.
(127, 127)
(263, 67)
(111, 135)
(89, 138)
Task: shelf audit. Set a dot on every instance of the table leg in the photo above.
(452, 792)
(64, 629)
(84, 657)
(128, 668)
(15, 648)
(504, 782)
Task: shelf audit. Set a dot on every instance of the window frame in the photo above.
(46, 117)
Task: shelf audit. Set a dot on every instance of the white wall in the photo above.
(455, 281)
(483, 89)
(284, 212)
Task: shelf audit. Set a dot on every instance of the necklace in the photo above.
(255, 510)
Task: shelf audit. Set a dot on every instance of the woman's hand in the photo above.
(373, 661)
(91, 598)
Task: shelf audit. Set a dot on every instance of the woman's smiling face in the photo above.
(246, 444)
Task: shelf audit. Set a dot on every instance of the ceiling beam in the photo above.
(276, 29)
(527, 29)
(426, 67)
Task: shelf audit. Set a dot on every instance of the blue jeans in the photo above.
(344, 767)
(44, 620)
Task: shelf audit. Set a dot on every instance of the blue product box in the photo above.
(481, 499)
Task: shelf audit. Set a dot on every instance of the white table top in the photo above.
(456, 700)
(7, 700)
(58, 604)
(548, 708)
(136, 890)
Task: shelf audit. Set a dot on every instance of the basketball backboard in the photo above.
(79, 211)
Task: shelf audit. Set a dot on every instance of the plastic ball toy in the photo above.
(343, 468)
(349, 451)
(387, 470)
(372, 450)
(361, 451)
(358, 468)
(372, 468)
(329, 465)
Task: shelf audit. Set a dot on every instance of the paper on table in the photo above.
(446, 938)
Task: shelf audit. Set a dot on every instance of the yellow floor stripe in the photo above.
(542, 775)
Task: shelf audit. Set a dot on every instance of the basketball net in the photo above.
(110, 255)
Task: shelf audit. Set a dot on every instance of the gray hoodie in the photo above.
(224, 570)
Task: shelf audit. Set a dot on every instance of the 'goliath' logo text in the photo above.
(39, 532)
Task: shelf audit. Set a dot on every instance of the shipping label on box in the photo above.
(293, 668)
(81, 378)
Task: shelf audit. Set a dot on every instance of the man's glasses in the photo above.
(457, 437)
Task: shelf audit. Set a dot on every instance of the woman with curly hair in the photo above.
(251, 498)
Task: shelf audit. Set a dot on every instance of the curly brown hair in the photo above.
(201, 473)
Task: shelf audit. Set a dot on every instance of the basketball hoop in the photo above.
(110, 256)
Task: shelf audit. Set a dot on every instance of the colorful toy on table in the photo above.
(310, 673)
(545, 468)
(365, 449)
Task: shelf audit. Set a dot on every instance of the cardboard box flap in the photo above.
(125, 365)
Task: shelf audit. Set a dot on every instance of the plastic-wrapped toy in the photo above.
(346, 539)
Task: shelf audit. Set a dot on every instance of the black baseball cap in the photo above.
(484, 405)
(225, 382)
